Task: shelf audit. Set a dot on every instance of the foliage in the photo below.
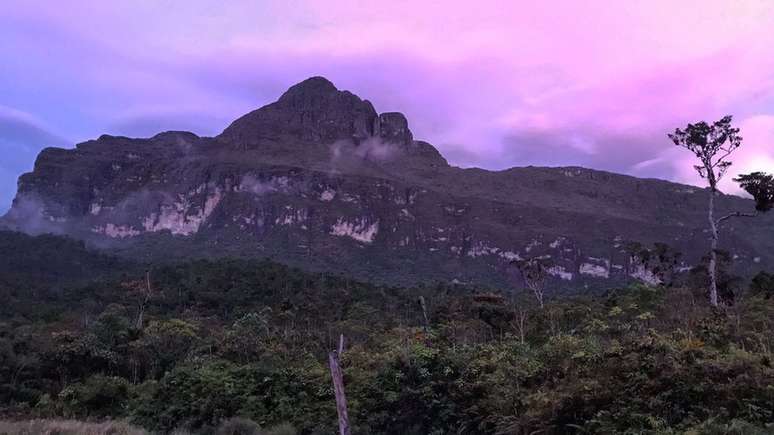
(763, 284)
(728, 284)
(661, 260)
(201, 395)
(97, 396)
(761, 186)
(233, 426)
(68, 427)
(712, 144)
(237, 346)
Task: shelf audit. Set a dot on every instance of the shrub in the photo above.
(68, 427)
(97, 396)
(238, 426)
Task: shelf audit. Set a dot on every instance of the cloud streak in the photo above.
(22, 136)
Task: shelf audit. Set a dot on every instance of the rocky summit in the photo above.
(319, 179)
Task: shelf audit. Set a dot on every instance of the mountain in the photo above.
(319, 179)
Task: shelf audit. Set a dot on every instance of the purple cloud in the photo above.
(590, 83)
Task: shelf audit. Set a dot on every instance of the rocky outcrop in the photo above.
(393, 128)
(319, 179)
(313, 111)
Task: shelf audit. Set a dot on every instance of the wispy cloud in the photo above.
(22, 136)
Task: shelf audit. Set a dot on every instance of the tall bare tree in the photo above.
(712, 144)
(534, 272)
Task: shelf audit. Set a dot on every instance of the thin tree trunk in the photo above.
(424, 312)
(713, 289)
(538, 291)
(522, 318)
(141, 309)
(338, 388)
(17, 373)
(138, 323)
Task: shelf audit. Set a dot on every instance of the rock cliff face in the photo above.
(320, 180)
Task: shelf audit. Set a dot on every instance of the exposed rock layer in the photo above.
(320, 179)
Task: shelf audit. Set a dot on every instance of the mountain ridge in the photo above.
(320, 179)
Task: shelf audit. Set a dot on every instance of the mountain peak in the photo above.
(314, 110)
(312, 85)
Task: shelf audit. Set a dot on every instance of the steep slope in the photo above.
(49, 262)
(319, 179)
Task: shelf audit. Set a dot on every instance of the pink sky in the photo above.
(491, 84)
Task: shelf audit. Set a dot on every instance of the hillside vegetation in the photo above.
(248, 339)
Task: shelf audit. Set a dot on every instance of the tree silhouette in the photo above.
(712, 145)
(760, 186)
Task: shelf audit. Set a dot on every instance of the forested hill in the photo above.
(48, 260)
(249, 339)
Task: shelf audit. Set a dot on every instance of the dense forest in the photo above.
(196, 344)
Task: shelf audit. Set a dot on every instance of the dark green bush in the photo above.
(97, 396)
